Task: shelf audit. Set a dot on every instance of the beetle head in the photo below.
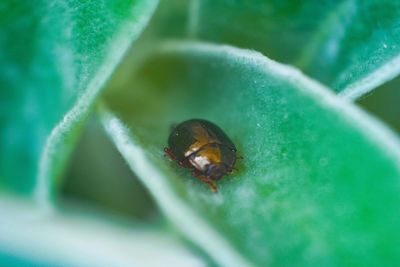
(216, 171)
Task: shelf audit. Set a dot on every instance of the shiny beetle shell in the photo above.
(204, 147)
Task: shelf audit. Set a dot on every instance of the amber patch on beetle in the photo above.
(208, 155)
(202, 137)
(212, 152)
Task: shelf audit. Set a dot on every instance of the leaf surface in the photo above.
(292, 200)
(29, 237)
(350, 46)
(55, 57)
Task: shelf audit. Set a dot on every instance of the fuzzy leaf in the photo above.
(30, 237)
(351, 46)
(293, 202)
(55, 57)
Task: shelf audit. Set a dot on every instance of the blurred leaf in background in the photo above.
(82, 237)
(98, 176)
(384, 102)
(350, 46)
(56, 57)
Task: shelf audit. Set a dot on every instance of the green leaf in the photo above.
(29, 237)
(55, 58)
(351, 46)
(168, 22)
(319, 183)
(170, 19)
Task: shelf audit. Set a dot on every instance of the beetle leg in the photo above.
(239, 157)
(168, 153)
(213, 186)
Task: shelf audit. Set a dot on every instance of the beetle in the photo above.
(203, 147)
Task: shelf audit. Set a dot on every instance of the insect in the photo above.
(203, 147)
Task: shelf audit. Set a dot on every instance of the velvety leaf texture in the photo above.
(271, 27)
(319, 183)
(350, 45)
(55, 56)
(29, 237)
